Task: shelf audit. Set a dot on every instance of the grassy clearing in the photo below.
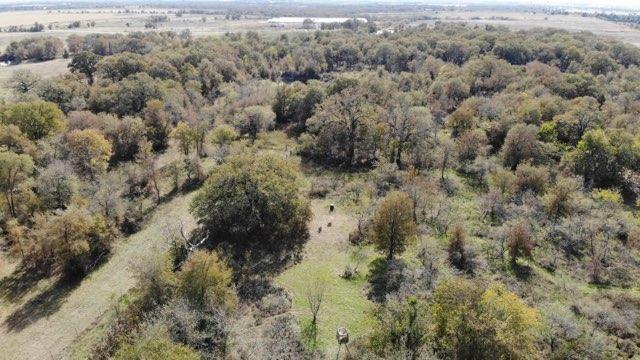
(326, 255)
(45, 69)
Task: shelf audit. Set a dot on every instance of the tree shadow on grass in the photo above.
(42, 305)
(523, 272)
(18, 284)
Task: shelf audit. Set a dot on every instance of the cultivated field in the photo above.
(527, 21)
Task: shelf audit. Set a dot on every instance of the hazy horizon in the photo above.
(602, 4)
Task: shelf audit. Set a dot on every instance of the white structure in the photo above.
(300, 20)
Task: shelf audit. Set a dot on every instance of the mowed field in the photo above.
(117, 20)
(527, 21)
(44, 69)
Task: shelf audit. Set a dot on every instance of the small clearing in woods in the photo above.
(326, 255)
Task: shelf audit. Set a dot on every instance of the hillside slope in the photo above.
(56, 317)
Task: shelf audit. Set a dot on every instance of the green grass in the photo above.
(326, 255)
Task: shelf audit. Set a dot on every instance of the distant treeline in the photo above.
(630, 19)
(36, 27)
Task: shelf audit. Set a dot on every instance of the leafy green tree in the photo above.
(521, 144)
(599, 63)
(85, 62)
(392, 226)
(595, 159)
(251, 208)
(515, 51)
(14, 169)
(35, 119)
(402, 329)
(210, 77)
(184, 135)
(583, 114)
(119, 66)
(158, 124)
(133, 94)
(124, 135)
(253, 120)
(223, 135)
(474, 322)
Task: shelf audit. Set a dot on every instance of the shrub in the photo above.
(531, 178)
(560, 201)
(155, 348)
(205, 280)
(521, 144)
(520, 243)
(320, 187)
(205, 330)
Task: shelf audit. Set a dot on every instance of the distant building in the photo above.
(300, 20)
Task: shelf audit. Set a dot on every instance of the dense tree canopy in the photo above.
(250, 207)
(511, 158)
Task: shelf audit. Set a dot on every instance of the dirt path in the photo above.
(45, 326)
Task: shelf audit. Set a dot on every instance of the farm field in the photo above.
(527, 21)
(117, 20)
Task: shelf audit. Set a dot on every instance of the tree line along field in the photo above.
(444, 191)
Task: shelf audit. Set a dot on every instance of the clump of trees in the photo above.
(250, 208)
(36, 48)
